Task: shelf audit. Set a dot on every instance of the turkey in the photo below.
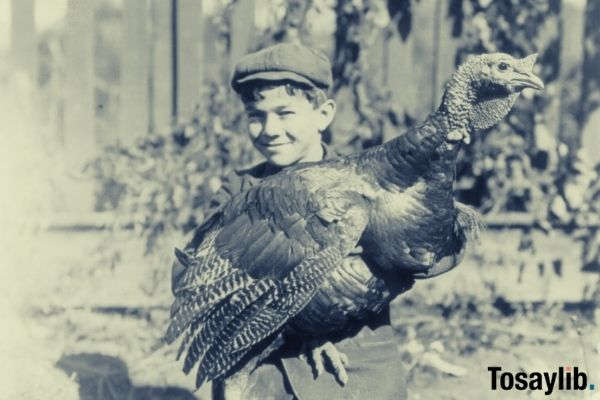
(270, 262)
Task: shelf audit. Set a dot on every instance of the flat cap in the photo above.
(284, 61)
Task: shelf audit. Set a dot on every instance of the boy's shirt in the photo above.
(238, 181)
(244, 178)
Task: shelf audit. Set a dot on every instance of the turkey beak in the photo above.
(525, 78)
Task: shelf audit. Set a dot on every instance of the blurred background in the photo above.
(118, 121)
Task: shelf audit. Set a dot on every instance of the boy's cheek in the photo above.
(284, 155)
(306, 120)
(254, 129)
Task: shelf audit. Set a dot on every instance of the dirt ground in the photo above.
(84, 312)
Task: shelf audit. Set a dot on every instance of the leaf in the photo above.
(400, 11)
(456, 13)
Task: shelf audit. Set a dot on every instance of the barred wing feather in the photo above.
(256, 267)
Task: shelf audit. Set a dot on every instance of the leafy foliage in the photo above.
(591, 78)
(520, 165)
(510, 169)
(163, 182)
(359, 26)
(400, 12)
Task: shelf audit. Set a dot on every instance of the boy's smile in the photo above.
(285, 128)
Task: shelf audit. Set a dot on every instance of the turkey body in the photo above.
(403, 224)
(411, 226)
(274, 259)
(394, 200)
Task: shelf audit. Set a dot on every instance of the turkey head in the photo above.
(485, 88)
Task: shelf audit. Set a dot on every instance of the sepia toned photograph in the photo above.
(300, 199)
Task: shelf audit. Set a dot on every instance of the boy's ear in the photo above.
(326, 114)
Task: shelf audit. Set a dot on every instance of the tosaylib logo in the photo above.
(566, 378)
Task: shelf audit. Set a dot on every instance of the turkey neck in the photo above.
(423, 152)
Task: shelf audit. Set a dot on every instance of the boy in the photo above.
(284, 91)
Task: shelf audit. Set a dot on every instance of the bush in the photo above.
(163, 181)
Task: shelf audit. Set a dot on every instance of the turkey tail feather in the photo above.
(207, 298)
(217, 321)
(183, 258)
(188, 337)
(256, 320)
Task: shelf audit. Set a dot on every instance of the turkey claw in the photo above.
(338, 361)
(459, 135)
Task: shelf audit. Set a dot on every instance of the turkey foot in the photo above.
(336, 360)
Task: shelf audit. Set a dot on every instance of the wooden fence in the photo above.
(165, 49)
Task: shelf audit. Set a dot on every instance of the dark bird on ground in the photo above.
(269, 263)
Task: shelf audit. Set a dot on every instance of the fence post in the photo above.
(79, 135)
(214, 60)
(376, 60)
(80, 143)
(423, 57)
(590, 140)
(242, 29)
(189, 56)
(417, 67)
(135, 63)
(160, 70)
(23, 37)
(572, 17)
(446, 53)
(399, 64)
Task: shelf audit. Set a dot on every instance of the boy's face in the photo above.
(285, 128)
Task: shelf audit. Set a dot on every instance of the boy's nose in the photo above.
(272, 126)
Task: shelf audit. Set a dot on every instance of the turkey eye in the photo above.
(503, 66)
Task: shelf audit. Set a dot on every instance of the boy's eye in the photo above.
(284, 113)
